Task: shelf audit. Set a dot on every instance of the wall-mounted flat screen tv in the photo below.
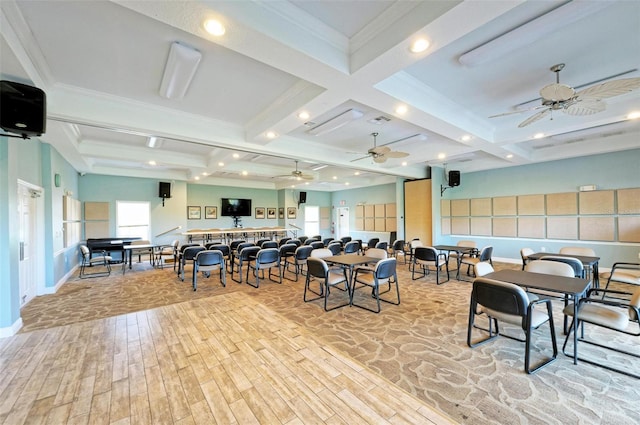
(234, 207)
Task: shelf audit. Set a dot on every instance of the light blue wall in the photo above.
(609, 171)
(9, 290)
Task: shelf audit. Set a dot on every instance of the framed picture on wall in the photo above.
(291, 212)
(271, 213)
(193, 213)
(259, 212)
(210, 212)
(280, 212)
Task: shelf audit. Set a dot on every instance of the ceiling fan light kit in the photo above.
(561, 97)
(380, 154)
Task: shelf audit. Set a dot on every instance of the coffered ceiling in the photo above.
(101, 64)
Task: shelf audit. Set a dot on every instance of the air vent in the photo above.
(379, 120)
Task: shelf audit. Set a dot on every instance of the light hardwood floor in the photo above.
(225, 359)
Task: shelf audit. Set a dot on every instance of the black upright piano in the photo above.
(109, 245)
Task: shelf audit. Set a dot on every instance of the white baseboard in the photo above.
(11, 330)
(53, 289)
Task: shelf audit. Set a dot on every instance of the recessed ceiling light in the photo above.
(509, 156)
(220, 164)
(303, 115)
(465, 138)
(245, 173)
(236, 155)
(293, 185)
(335, 177)
(271, 134)
(401, 109)
(442, 155)
(404, 163)
(346, 183)
(419, 46)
(152, 162)
(196, 178)
(306, 182)
(205, 174)
(538, 135)
(633, 115)
(357, 173)
(214, 27)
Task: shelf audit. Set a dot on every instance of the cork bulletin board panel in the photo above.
(445, 208)
(596, 202)
(531, 205)
(506, 227)
(531, 227)
(562, 204)
(96, 211)
(504, 205)
(597, 228)
(460, 226)
(390, 210)
(481, 226)
(459, 207)
(628, 201)
(481, 207)
(446, 226)
(629, 229)
(562, 227)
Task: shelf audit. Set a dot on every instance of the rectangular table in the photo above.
(350, 261)
(572, 286)
(588, 262)
(128, 254)
(457, 249)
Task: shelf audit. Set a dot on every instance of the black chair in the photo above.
(287, 250)
(318, 271)
(206, 262)
(372, 243)
(352, 247)
(316, 244)
(242, 258)
(189, 254)
(382, 245)
(294, 241)
(266, 258)
(397, 248)
(327, 241)
(88, 261)
(235, 254)
(283, 241)
(383, 274)
(299, 260)
(472, 259)
(259, 242)
(335, 248)
(181, 252)
(506, 302)
(268, 244)
(425, 257)
(345, 239)
(303, 239)
(226, 252)
(610, 312)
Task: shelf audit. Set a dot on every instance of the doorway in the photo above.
(342, 222)
(31, 221)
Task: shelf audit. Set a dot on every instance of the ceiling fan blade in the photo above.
(504, 114)
(380, 150)
(307, 177)
(610, 89)
(557, 92)
(534, 118)
(396, 154)
(379, 159)
(586, 107)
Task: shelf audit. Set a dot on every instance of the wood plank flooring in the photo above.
(221, 360)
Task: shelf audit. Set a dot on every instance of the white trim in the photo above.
(53, 289)
(11, 330)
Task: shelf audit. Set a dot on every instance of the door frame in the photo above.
(37, 237)
(340, 231)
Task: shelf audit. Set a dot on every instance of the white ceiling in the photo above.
(101, 63)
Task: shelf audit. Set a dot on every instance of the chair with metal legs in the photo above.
(318, 271)
(383, 274)
(265, 259)
(206, 262)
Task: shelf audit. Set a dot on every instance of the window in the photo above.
(132, 220)
(311, 220)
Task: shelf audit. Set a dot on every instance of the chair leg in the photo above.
(527, 359)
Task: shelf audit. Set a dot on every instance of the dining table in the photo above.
(460, 250)
(589, 263)
(128, 254)
(350, 261)
(567, 286)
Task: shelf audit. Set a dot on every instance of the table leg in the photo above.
(575, 329)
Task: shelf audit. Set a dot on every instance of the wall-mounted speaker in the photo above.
(303, 197)
(165, 190)
(24, 109)
(454, 178)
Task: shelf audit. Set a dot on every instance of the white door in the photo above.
(342, 222)
(27, 209)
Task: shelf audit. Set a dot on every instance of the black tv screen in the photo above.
(234, 207)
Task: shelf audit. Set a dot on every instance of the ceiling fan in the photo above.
(380, 154)
(564, 98)
(298, 175)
